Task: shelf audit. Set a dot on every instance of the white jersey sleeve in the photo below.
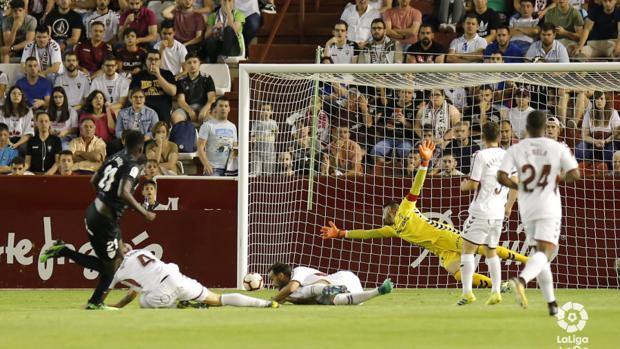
(304, 275)
(142, 271)
(568, 161)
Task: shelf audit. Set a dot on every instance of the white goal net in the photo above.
(324, 142)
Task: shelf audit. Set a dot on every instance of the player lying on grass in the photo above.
(408, 223)
(305, 285)
(159, 284)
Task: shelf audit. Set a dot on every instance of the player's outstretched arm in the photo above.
(426, 150)
(571, 176)
(286, 291)
(332, 231)
(130, 296)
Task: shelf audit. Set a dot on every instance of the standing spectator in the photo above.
(462, 147)
(44, 148)
(517, 115)
(567, 22)
(157, 84)
(7, 153)
(359, 17)
(402, 23)
(18, 117)
(601, 32)
(488, 20)
(36, 89)
(165, 152)
(189, 25)
(547, 48)
(92, 52)
(137, 117)
(481, 112)
(285, 164)
(505, 133)
(172, 51)
(132, 56)
(46, 52)
(195, 93)
(105, 15)
(440, 115)
(216, 140)
(380, 49)
(523, 26)
(4, 83)
(253, 20)
(89, 151)
(64, 24)
(263, 141)
(74, 81)
(449, 14)
(224, 35)
(511, 52)
(64, 119)
(615, 172)
(96, 108)
(469, 47)
(17, 31)
(140, 19)
(114, 86)
(345, 155)
(393, 129)
(426, 50)
(65, 163)
(554, 128)
(339, 48)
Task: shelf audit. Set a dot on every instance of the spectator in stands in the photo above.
(355, 111)
(540, 7)
(413, 162)
(253, 21)
(74, 81)
(188, 25)
(503, 8)
(380, 49)
(511, 52)
(547, 49)
(224, 35)
(426, 50)
(64, 118)
(216, 140)
(469, 47)
(567, 22)
(285, 164)
(505, 133)
(165, 152)
(440, 115)
(488, 20)
(301, 149)
(65, 163)
(393, 129)
(18, 116)
(37, 90)
(17, 31)
(18, 167)
(615, 172)
(449, 14)
(403, 22)
(141, 19)
(448, 166)
(263, 141)
(157, 84)
(96, 108)
(46, 52)
(65, 24)
(151, 169)
(268, 6)
(89, 151)
(110, 19)
(172, 51)
(482, 110)
(462, 147)
(92, 52)
(132, 56)
(339, 48)
(517, 115)
(359, 17)
(600, 131)
(137, 117)
(4, 83)
(345, 156)
(523, 26)
(7, 153)
(44, 148)
(114, 86)
(600, 31)
(554, 128)
(195, 93)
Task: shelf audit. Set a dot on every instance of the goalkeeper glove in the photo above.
(332, 231)
(426, 150)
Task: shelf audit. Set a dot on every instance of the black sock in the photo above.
(105, 279)
(84, 260)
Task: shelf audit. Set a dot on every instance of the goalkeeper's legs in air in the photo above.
(504, 253)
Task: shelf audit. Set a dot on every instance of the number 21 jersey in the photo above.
(120, 165)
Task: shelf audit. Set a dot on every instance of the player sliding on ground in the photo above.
(541, 164)
(408, 223)
(309, 286)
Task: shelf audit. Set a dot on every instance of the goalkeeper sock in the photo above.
(545, 282)
(355, 298)
(534, 266)
(496, 273)
(478, 280)
(84, 260)
(505, 253)
(239, 300)
(467, 272)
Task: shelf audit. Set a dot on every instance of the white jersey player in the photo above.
(486, 214)
(305, 285)
(541, 164)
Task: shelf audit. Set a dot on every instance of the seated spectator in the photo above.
(189, 25)
(183, 134)
(18, 117)
(141, 19)
(7, 153)
(172, 52)
(403, 22)
(547, 49)
(355, 112)
(359, 17)
(137, 117)
(448, 167)
(600, 31)
(440, 115)
(92, 52)
(114, 86)
(393, 129)
(567, 22)
(4, 83)
(462, 147)
(380, 49)
(517, 115)
(149, 192)
(469, 47)
(224, 35)
(427, 135)
(523, 26)
(64, 118)
(505, 133)
(166, 153)
(511, 52)
(540, 7)
(339, 48)
(216, 140)
(600, 132)
(65, 24)
(488, 20)
(285, 164)
(96, 108)
(65, 163)
(345, 156)
(426, 50)
(44, 148)
(413, 162)
(17, 30)
(482, 110)
(132, 56)
(151, 170)
(253, 20)
(109, 18)
(89, 151)
(263, 141)
(46, 52)
(503, 9)
(18, 167)
(615, 172)
(554, 129)
(74, 81)
(37, 90)
(449, 14)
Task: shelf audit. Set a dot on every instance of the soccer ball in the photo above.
(252, 282)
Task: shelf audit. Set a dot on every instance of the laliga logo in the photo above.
(572, 317)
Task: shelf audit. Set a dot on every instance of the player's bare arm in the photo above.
(469, 185)
(504, 179)
(571, 176)
(283, 294)
(128, 298)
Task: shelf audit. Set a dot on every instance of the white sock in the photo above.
(533, 267)
(545, 282)
(239, 300)
(495, 270)
(309, 291)
(355, 298)
(467, 272)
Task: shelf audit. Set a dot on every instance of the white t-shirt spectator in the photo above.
(220, 135)
(110, 20)
(248, 7)
(113, 89)
(18, 126)
(462, 45)
(71, 122)
(557, 54)
(77, 88)
(46, 56)
(359, 26)
(518, 121)
(173, 57)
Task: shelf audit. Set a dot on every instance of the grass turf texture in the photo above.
(412, 318)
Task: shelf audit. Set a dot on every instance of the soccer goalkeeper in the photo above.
(408, 223)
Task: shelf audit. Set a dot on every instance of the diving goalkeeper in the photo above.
(408, 223)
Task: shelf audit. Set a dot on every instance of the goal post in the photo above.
(282, 207)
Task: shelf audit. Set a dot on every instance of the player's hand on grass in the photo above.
(332, 231)
(150, 216)
(426, 150)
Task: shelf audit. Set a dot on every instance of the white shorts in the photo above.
(174, 287)
(547, 229)
(348, 279)
(482, 231)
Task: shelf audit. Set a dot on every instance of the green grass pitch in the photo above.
(411, 318)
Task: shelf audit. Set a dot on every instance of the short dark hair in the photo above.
(134, 140)
(503, 26)
(220, 99)
(471, 15)
(191, 54)
(149, 182)
(167, 24)
(378, 20)
(153, 51)
(490, 131)
(92, 24)
(129, 31)
(4, 127)
(545, 27)
(18, 160)
(42, 28)
(278, 268)
(66, 152)
(328, 59)
(341, 22)
(134, 91)
(30, 59)
(536, 121)
(427, 25)
(110, 57)
(15, 4)
(71, 53)
(530, 1)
